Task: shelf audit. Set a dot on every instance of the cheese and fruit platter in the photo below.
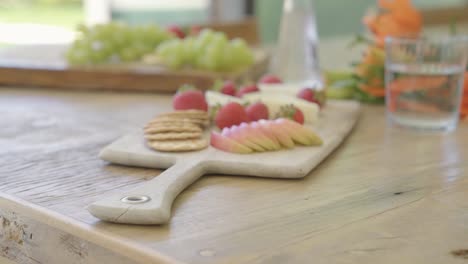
(265, 129)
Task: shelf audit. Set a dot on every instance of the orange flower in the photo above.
(371, 71)
(373, 57)
(398, 18)
(376, 91)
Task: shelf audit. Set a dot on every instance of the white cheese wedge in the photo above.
(274, 101)
(213, 98)
(287, 88)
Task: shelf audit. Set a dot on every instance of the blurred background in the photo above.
(53, 21)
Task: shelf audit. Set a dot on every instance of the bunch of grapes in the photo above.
(114, 43)
(208, 50)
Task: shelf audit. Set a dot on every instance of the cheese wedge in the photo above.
(213, 98)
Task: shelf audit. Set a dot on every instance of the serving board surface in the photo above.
(336, 121)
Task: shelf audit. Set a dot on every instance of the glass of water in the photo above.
(424, 81)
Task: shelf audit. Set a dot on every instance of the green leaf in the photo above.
(186, 87)
(367, 98)
(217, 85)
(343, 89)
(359, 39)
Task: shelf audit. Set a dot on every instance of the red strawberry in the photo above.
(270, 79)
(257, 111)
(189, 99)
(228, 88)
(291, 112)
(247, 89)
(230, 114)
(176, 31)
(195, 30)
(308, 95)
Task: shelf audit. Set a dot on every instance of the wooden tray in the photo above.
(44, 66)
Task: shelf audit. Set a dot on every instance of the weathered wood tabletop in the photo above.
(387, 195)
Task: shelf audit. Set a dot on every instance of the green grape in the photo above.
(128, 54)
(208, 51)
(166, 48)
(96, 57)
(229, 59)
(172, 53)
(242, 54)
(76, 57)
(113, 42)
(82, 29)
(189, 50)
(203, 40)
(216, 51)
(220, 38)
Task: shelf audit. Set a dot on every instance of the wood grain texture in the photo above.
(387, 195)
(27, 241)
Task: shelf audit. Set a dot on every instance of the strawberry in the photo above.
(291, 112)
(195, 30)
(176, 31)
(308, 95)
(230, 114)
(228, 88)
(270, 79)
(257, 111)
(189, 99)
(247, 89)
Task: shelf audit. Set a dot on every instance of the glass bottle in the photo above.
(295, 59)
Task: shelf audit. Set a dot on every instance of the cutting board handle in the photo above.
(151, 202)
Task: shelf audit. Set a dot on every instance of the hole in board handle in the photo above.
(136, 199)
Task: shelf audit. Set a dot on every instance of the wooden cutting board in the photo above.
(151, 202)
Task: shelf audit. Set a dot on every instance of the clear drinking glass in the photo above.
(295, 59)
(424, 81)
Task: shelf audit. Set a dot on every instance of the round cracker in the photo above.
(161, 128)
(186, 114)
(173, 136)
(178, 145)
(166, 120)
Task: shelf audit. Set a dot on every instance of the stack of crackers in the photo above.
(177, 131)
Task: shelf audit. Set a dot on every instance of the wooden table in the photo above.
(387, 195)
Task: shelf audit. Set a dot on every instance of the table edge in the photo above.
(83, 231)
